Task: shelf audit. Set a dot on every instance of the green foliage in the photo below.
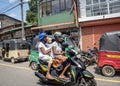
(31, 17)
(32, 13)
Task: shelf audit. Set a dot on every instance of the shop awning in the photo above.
(55, 26)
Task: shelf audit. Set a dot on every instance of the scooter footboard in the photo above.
(87, 74)
(39, 75)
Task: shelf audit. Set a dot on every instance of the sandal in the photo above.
(63, 77)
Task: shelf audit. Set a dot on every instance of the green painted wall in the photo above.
(56, 19)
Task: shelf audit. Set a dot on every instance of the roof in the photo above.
(55, 26)
(10, 17)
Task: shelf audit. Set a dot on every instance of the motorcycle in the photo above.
(88, 57)
(77, 72)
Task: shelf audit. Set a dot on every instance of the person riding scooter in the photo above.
(58, 53)
(44, 53)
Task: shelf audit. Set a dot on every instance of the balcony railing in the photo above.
(103, 8)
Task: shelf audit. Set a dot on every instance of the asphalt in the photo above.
(20, 74)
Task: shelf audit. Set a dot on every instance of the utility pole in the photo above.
(22, 18)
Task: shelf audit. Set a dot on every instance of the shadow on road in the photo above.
(17, 62)
(46, 84)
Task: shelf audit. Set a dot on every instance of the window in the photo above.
(88, 2)
(100, 7)
(89, 10)
(22, 46)
(51, 7)
(95, 1)
(55, 7)
(46, 8)
(69, 4)
(114, 6)
(103, 9)
(96, 10)
(102, 0)
(118, 41)
(62, 5)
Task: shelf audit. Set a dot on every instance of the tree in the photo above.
(32, 13)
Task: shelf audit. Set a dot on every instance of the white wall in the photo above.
(82, 8)
(83, 14)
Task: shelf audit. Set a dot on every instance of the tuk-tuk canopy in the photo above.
(110, 41)
(35, 43)
(14, 44)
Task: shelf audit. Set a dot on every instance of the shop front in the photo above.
(16, 32)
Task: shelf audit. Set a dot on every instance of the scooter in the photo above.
(77, 73)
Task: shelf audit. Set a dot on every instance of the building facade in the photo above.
(7, 21)
(11, 28)
(96, 18)
(57, 15)
(15, 32)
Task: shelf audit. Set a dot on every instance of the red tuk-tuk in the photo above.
(109, 54)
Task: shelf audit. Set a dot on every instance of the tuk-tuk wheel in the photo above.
(34, 65)
(108, 71)
(12, 60)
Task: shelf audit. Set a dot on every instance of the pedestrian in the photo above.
(3, 50)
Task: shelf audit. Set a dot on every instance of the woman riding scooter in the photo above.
(58, 53)
(44, 53)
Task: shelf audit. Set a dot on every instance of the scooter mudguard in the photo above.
(87, 74)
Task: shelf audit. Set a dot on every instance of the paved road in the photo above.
(104, 81)
(20, 74)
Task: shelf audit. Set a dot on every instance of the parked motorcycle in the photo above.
(77, 72)
(88, 57)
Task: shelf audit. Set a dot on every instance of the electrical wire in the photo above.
(12, 7)
(8, 6)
